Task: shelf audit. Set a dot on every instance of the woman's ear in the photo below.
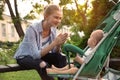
(45, 16)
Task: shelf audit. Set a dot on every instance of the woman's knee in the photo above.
(42, 64)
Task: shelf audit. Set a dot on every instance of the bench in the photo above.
(11, 67)
(114, 63)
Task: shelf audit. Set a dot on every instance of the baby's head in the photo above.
(95, 37)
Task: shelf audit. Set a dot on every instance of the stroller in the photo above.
(112, 74)
(94, 63)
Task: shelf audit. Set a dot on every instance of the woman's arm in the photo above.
(58, 48)
(59, 40)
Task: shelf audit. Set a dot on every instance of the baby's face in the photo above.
(94, 38)
(91, 42)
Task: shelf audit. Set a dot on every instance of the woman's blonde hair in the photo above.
(48, 10)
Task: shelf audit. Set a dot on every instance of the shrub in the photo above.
(7, 50)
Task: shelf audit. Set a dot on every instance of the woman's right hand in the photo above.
(60, 39)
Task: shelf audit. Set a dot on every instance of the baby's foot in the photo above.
(53, 67)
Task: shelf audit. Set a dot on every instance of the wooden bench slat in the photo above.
(10, 68)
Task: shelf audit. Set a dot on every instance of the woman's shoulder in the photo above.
(36, 26)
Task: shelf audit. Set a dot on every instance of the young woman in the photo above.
(40, 46)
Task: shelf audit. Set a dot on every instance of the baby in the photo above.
(95, 37)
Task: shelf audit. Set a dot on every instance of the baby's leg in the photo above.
(79, 59)
(72, 70)
(64, 68)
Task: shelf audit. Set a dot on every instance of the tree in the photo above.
(38, 8)
(82, 13)
(1, 8)
(100, 9)
(15, 18)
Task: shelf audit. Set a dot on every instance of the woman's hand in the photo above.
(60, 39)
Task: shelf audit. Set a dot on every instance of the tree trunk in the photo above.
(16, 19)
(1, 9)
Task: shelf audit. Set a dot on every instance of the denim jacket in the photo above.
(32, 44)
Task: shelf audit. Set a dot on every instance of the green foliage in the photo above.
(100, 9)
(65, 2)
(37, 9)
(72, 19)
(7, 51)
(93, 17)
(48, 1)
(75, 39)
(30, 16)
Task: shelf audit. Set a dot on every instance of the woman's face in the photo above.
(54, 19)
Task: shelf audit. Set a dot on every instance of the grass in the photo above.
(20, 75)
